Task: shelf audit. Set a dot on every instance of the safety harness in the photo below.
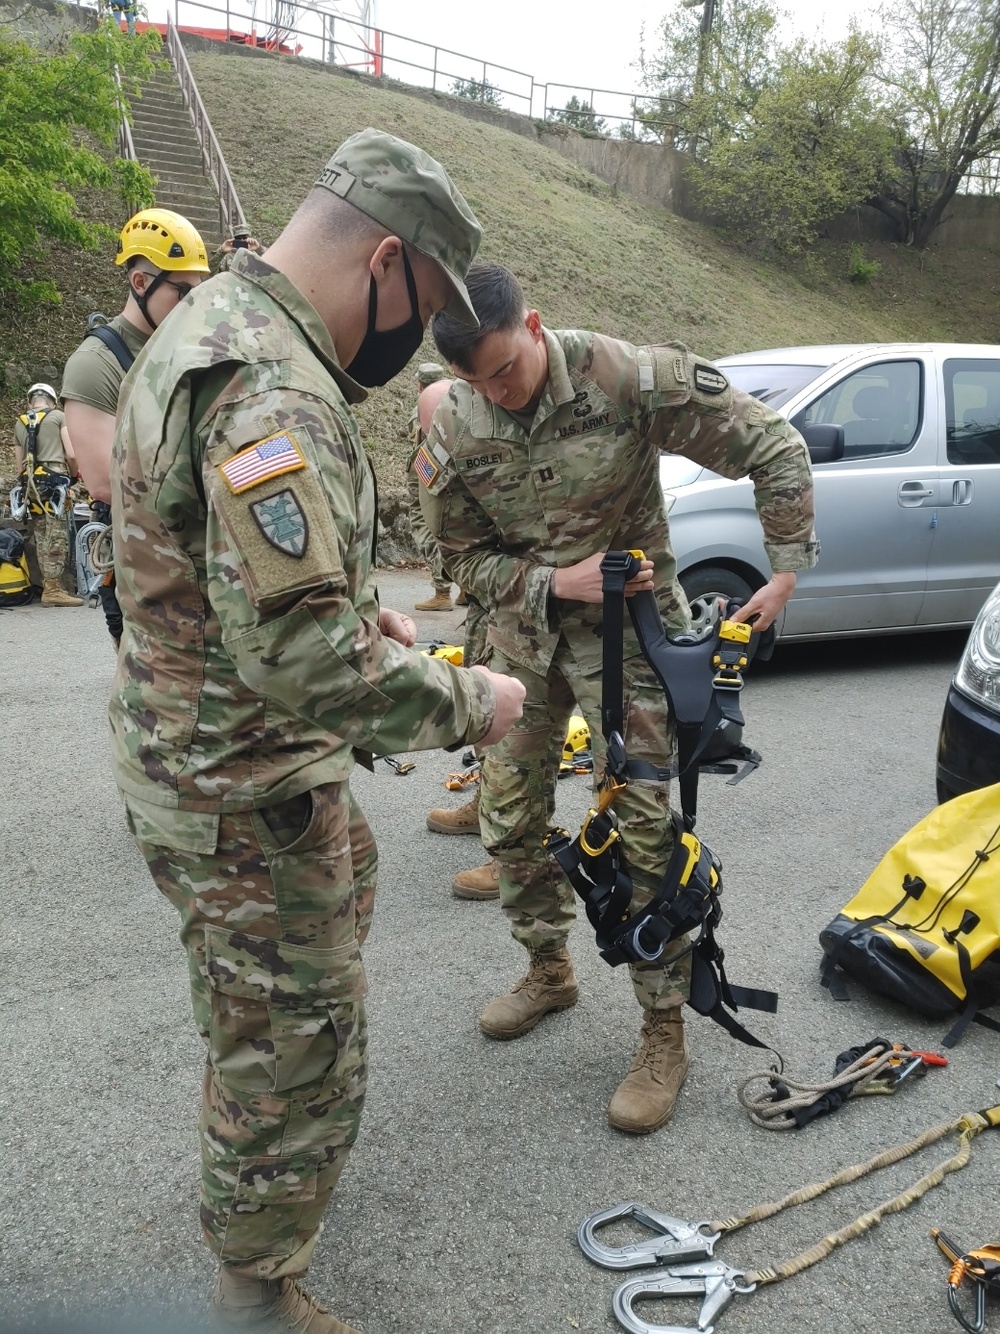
(701, 680)
(39, 489)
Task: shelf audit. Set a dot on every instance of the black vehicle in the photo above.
(969, 742)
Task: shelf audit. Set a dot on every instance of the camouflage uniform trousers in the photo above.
(273, 922)
(475, 651)
(422, 538)
(517, 806)
(51, 538)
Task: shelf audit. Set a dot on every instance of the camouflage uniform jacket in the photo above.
(253, 662)
(509, 508)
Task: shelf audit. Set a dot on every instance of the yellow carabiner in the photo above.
(609, 790)
(612, 837)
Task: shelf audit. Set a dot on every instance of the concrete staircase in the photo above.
(166, 143)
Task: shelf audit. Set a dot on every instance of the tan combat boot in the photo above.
(462, 600)
(54, 595)
(481, 883)
(645, 1098)
(461, 820)
(549, 984)
(441, 601)
(270, 1307)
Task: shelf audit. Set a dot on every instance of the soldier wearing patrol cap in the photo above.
(257, 664)
(242, 238)
(542, 458)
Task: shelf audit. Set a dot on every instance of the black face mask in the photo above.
(384, 353)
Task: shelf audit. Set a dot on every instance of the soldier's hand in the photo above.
(510, 705)
(394, 625)
(584, 582)
(768, 601)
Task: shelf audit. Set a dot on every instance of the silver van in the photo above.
(905, 443)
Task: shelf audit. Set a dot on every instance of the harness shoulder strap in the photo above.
(115, 343)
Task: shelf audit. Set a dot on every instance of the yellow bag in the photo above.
(925, 927)
(15, 585)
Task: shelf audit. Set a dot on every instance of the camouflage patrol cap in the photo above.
(242, 229)
(406, 191)
(429, 372)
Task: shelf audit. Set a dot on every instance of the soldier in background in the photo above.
(257, 665)
(480, 882)
(241, 239)
(40, 434)
(543, 457)
(428, 373)
(164, 258)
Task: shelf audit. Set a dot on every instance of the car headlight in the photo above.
(978, 672)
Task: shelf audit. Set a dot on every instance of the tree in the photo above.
(813, 143)
(704, 87)
(476, 91)
(941, 70)
(58, 111)
(581, 115)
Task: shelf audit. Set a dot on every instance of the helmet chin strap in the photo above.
(142, 298)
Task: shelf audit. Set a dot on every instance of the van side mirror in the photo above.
(825, 443)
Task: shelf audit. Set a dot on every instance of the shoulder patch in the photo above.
(269, 458)
(709, 380)
(425, 467)
(282, 521)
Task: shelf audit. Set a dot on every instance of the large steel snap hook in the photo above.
(717, 1280)
(675, 1242)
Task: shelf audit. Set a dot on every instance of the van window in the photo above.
(879, 408)
(972, 410)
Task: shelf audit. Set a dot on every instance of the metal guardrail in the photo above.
(230, 208)
(337, 40)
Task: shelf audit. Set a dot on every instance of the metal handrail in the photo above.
(230, 208)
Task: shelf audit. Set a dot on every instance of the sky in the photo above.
(547, 40)
(543, 39)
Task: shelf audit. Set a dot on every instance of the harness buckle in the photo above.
(675, 1241)
(718, 1282)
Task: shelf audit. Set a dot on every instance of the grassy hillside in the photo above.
(586, 256)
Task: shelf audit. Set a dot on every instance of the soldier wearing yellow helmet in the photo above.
(164, 257)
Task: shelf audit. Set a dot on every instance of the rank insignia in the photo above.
(281, 520)
(709, 380)
(268, 458)
(424, 466)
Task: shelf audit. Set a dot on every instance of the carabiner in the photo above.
(718, 1281)
(977, 1323)
(675, 1241)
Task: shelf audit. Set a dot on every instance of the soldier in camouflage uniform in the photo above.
(257, 665)
(428, 373)
(479, 882)
(241, 239)
(543, 457)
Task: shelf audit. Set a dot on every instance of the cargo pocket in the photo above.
(263, 1181)
(283, 1016)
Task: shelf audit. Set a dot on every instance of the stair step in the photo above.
(178, 162)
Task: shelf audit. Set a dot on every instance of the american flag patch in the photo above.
(269, 458)
(425, 467)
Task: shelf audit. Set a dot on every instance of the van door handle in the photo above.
(913, 494)
(961, 492)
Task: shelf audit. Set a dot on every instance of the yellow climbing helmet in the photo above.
(164, 238)
(577, 738)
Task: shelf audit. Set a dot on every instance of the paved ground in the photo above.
(477, 1160)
